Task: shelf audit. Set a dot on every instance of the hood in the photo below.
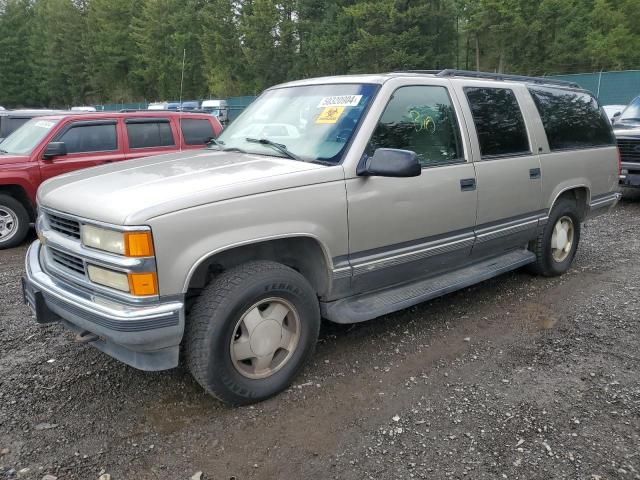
(626, 129)
(6, 159)
(132, 192)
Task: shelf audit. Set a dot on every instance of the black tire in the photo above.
(213, 320)
(545, 263)
(19, 214)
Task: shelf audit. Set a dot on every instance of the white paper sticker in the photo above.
(44, 124)
(340, 101)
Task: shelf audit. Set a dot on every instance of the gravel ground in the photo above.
(518, 377)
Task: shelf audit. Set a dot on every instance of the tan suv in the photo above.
(341, 197)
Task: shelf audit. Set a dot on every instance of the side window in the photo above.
(147, 133)
(571, 119)
(421, 119)
(90, 138)
(499, 122)
(197, 132)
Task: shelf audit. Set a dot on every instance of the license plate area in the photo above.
(34, 299)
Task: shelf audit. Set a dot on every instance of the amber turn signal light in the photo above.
(138, 244)
(143, 284)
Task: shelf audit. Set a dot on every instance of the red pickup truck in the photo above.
(52, 145)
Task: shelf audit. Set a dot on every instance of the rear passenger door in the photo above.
(149, 136)
(88, 143)
(507, 165)
(197, 132)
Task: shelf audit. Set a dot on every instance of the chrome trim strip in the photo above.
(605, 200)
(508, 230)
(448, 244)
(433, 248)
(340, 273)
(89, 302)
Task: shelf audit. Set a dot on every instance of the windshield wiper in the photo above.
(220, 145)
(3, 151)
(278, 146)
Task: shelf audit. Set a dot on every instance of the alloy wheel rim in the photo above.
(8, 223)
(265, 338)
(562, 239)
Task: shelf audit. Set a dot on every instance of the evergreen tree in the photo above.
(16, 87)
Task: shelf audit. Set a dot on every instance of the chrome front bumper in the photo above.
(145, 336)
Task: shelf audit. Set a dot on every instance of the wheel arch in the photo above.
(19, 193)
(581, 194)
(302, 252)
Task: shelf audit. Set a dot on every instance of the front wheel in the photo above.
(557, 244)
(14, 222)
(251, 331)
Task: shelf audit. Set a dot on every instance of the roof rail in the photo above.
(424, 72)
(501, 76)
(451, 72)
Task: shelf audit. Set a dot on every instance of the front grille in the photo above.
(70, 262)
(63, 225)
(629, 149)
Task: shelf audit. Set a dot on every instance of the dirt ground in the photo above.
(518, 377)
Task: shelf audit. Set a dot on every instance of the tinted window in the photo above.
(197, 132)
(146, 134)
(420, 119)
(498, 121)
(571, 119)
(90, 138)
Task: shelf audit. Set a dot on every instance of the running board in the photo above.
(375, 304)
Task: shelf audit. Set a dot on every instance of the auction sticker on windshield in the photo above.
(44, 124)
(330, 115)
(340, 101)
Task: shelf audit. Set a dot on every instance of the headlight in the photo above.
(131, 244)
(108, 278)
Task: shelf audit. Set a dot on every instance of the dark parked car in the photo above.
(627, 131)
(11, 120)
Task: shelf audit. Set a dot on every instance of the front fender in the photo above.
(185, 238)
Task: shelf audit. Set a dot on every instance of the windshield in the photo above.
(27, 137)
(632, 112)
(314, 122)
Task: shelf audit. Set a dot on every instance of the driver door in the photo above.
(404, 229)
(88, 143)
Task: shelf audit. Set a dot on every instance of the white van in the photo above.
(158, 106)
(217, 108)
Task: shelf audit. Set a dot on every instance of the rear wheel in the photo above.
(557, 244)
(251, 331)
(14, 222)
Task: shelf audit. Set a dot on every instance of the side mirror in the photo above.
(55, 149)
(390, 162)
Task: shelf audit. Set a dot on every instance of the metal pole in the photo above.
(599, 80)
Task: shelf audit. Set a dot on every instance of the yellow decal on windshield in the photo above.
(330, 115)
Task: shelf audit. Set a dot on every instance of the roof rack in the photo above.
(450, 72)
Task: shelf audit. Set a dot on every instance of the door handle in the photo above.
(534, 173)
(467, 184)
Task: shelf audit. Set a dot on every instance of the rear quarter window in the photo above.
(571, 120)
(197, 131)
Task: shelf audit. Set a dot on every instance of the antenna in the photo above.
(184, 54)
